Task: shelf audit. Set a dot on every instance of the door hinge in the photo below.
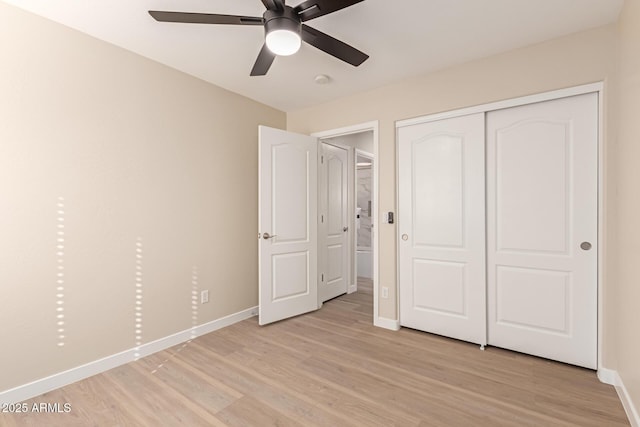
(322, 219)
(322, 277)
(322, 159)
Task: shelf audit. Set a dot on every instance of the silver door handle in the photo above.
(585, 246)
(345, 229)
(268, 236)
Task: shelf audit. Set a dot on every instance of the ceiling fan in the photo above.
(284, 29)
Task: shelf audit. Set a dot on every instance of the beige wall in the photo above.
(628, 213)
(568, 61)
(137, 150)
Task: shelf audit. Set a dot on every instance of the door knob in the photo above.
(266, 236)
(585, 246)
(405, 237)
(345, 229)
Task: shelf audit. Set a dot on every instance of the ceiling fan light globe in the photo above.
(283, 42)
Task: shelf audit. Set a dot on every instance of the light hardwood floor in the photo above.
(333, 368)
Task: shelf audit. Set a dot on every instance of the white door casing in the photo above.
(288, 209)
(441, 235)
(542, 205)
(334, 224)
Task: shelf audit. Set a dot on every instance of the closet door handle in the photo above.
(585, 246)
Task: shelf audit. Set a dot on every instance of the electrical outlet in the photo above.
(204, 297)
(385, 292)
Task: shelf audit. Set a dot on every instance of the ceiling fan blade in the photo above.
(273, 4)
(333, 47)
(311, 9)
(264, 61)
(205, 18)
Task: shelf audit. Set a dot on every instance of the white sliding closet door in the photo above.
(442, 227)
(542, 229)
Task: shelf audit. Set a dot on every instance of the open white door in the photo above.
(288, 212)
(334, 222)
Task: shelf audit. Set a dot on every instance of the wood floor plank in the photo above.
(248, 411)
(332, 367)
(193, 386)
(146, 393)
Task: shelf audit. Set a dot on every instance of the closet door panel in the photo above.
(442, 227)
(542, 229)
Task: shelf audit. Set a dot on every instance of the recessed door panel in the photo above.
(290, 275)
(442, 227)
(542, 198)
(291, 176)
(438, 190)
(336, 194)
(534, 299)
(533, 173)
(334, 270)
(439, 287)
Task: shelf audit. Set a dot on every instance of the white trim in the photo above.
(363, 153)
(352, 289)
(627, 404)
(383, 322)
(347, 130)
(608, 376)
(61, 379)
(508, 103)
(601, 223)
(611, 377)
(397, 221)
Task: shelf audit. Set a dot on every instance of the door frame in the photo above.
(605, 375)
(349, 130)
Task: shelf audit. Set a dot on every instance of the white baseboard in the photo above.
(627, 403)
(383, 322)
(44, 385)
(352, 289)
(608, 376)
(611, 377)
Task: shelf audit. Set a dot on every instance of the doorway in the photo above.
(296, 252)
(364, 208)
(361, 142)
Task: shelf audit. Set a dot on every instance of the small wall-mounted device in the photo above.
(390, 217)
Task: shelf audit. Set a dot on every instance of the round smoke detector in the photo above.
(322, 79)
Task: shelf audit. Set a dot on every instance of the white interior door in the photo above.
(442, 227)
(288, 248)
(542, 229)
(334, 222)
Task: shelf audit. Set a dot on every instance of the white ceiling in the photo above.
(404, 38)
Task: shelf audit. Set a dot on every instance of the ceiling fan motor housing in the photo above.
(285, 19)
